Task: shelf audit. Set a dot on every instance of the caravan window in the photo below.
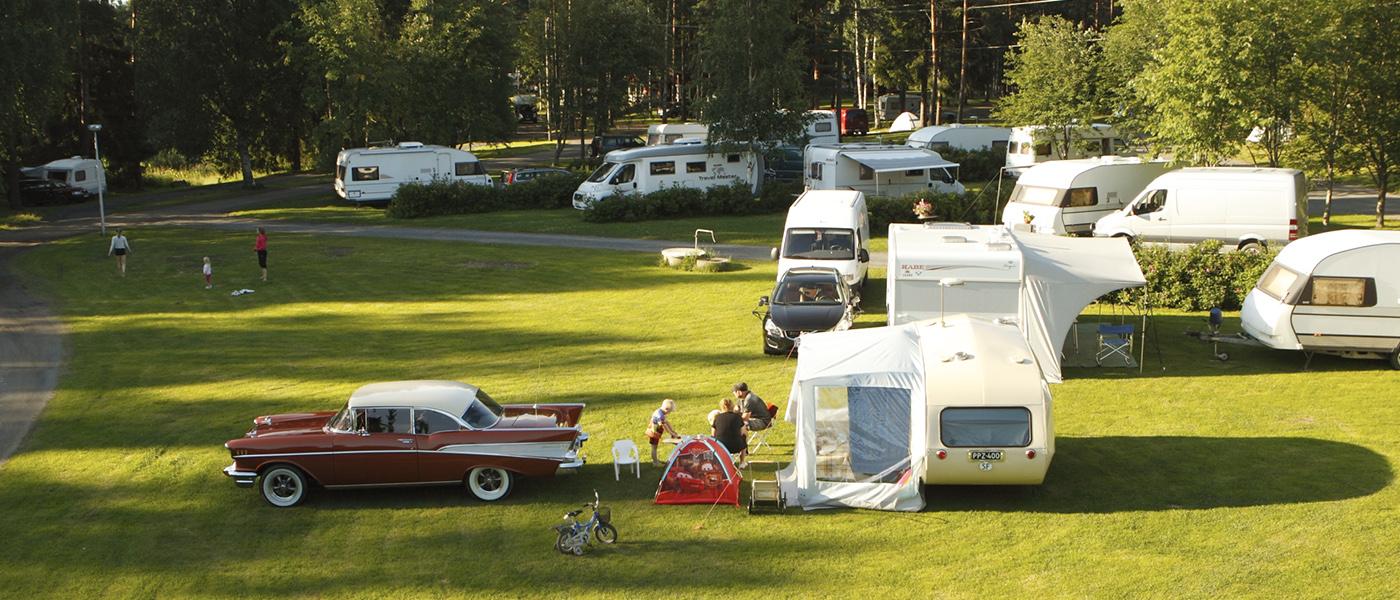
(61, 176)
(940, 146)
(822, 127)
(815, 171)
(1278, 282)
(365, 174)
(79, 175)
(1008, 427)
(732, 158)
(624, 175)
(1340, 291)
(463, 169)
(819, 244)
(866, 173)
(695, 167)
(340, 172)
(914, 173)
(862, 433)
(663, 168)
(1085, 196)
(602, 172)
(1031, 194)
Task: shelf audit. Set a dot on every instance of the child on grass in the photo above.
(208, 274)
(658, 424)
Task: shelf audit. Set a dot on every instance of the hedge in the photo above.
(440, 197)
(975, 165)
(1198, 278)
(688, 202)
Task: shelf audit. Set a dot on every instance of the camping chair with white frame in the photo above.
(1115, 340)
(759, 439)
(625, 453)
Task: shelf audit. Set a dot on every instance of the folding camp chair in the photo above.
(1115, 340)
(759, 438)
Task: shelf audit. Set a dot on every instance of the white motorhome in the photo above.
(1245, 208)
(962, 137)
(1031, 145)
(828, 228)
(982, 260)
(1066, 197)
(374, 174)
(668, 133)
(1331, 293)
(651, 168)
(85, 174)
(878, 170)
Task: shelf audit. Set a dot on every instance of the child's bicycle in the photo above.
(575, 536)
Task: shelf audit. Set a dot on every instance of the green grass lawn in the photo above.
(1203, 479)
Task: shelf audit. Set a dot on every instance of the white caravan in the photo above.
(1036, 144)
(651, 168)
(879, 170)
(982, 260)
(1066, 197)
(962, 137)
(1245, 208)
(887, 107)
(822, 128)
(1332, 293)
(828, 228)
(374, 174)
(85, 174)
(667, 133)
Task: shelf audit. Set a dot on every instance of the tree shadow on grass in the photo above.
(1118, 474)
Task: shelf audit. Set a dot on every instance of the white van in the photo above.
(1066, 197)
(828, 228)
(879, 170)
(85, 174)
(374, 174)
(1034, 144)
(1333, 293)
(962, 137)
(1246, 208)
(667, 133)
(982, 258)
(651, 168)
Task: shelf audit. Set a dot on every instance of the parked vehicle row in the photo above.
(372, 175)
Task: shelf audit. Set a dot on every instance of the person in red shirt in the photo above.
(260, 247)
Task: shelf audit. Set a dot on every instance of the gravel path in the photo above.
(31, 355)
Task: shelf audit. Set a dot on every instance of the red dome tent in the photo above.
(699, 472)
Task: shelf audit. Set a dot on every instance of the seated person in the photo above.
(752, 408)
(730, 431)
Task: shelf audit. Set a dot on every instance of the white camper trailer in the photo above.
(652, 168)
(1036, 144)
(880, 412)
(667, 133)
(1245, 208)
(822, 128)
(1332, 293)
(828, 228)
(84, 174)
(962, 137)
(374, 174)
(983, 260)
(879, 170)
(1066, 197)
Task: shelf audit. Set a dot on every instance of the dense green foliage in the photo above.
(1055, 75)
(676, 202)
(33, 70)
(441, 197)
(751, 92)
(1198, 278)
(976, 165)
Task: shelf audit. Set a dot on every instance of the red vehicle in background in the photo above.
(854, 121)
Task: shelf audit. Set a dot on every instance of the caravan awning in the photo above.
(883, 161)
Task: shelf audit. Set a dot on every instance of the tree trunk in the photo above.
(245, 161)
(962, 65)
(12, 181)
(1382, 179)
(1327, 202)
(931, 68)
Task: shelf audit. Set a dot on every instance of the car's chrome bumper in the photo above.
(241, 478)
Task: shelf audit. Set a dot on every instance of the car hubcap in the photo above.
(489, 480)
(284, 486)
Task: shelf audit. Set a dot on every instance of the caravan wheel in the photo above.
(1395, 359)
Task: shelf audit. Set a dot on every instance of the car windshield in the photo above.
(343, 420)
(1031, 194)
(819, 243)
(602, 172)
(808, 288)
(484, 413)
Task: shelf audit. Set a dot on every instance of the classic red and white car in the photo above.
(408, 433)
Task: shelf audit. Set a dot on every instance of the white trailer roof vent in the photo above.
(999, 247)
(410, 144)
(954, 239)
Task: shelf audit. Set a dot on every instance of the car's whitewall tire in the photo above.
(283, 486)
(489, 484)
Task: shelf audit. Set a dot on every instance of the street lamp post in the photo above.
(102, 180)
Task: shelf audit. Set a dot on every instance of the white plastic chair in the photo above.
(625, 453)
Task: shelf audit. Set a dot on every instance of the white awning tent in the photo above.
(885, 161)
(906, 121)
(1060, 276)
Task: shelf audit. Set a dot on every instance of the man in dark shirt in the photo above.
(754, 409)
(729, 430)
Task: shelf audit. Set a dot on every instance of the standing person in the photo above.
(208, 274)
(729, 429)
(120, 247)
(658, 424)
(260, 246)
(754, 409)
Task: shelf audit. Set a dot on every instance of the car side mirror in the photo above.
(772, 254)
(763, 300)
(863, 255)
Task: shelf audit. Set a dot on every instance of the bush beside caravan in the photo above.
(374, 174)
(960, 137)
(1066, 197)
(1332, 293)
(880, 170)
(1244, 208)
(652, 168)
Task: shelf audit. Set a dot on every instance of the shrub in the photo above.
(959, 208)
(440, 197)
(976, 165)
(1197, 278)
(547, 192)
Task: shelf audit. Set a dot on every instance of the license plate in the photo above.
(985, 455)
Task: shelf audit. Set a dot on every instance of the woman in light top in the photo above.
(120, 248)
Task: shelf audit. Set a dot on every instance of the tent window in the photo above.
(862, 433)
(866, 173)
(1008, 427)
(1341, 291)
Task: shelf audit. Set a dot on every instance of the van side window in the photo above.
(1085, 196)
(866, 173)
(815, 171)
(79, 175)
(1152, 203)
(914, 173)
(695, 167)
(463, 169)
(365, 174)
(663, 168)
(1340, 291)
(626, 175)
(732, 158)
